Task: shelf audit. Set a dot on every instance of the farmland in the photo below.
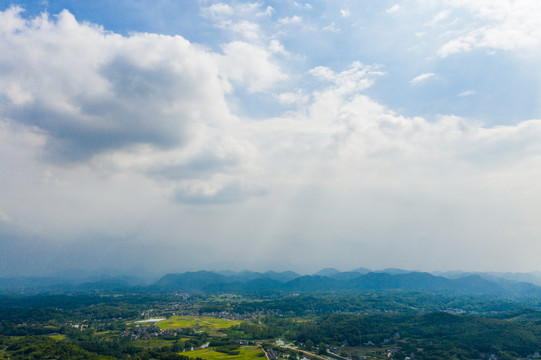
(198, 323)
(248, 352)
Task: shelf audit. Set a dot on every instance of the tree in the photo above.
(321, 349)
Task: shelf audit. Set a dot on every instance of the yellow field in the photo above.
(57, 337)
(247, 352)
(196, 322)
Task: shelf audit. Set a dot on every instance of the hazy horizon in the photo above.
(142, 273)
(176, 136)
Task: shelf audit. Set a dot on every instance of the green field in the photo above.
(153, 343)
(57, 337)
(248, 352)
(196, 322)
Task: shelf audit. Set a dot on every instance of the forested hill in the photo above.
(441, 334)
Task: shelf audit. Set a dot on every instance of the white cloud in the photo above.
(249, 65)
(237, 18)
(295, 19)
(501, 24)
(10, 20)
(393, 8)
(305, 5)
(467, 93)
(246, 29)
(345, 13)
(269, 10)
(357, 78)
(290, 98)
(219, 9)
(420, 78)
(276, 47)
(146, 103)
(464, 44)
(84, 87)
(331, 28)
(439, 17)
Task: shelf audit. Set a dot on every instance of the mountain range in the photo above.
(328, 279)
(332, 279)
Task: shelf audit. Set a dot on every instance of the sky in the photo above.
(167, 136)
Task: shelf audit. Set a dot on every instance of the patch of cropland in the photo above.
(198, 323)
(228, 353)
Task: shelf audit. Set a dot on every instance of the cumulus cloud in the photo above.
(222, 11)
(148, 103)
(246, 29)
(276, 47)
(219, 9)
(233, 18)
(295, 19)
(393, 8)
(347, 127)
(250, 65)
(501, 25)
(92, 91)
(357, 78)
(269, 10)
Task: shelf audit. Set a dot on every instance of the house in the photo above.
(272, 354)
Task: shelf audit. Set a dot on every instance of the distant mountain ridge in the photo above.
(327, 272)
(62, 284)
(397, 280)
(531, 277)
(328, 279)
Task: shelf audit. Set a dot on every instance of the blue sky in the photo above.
(291, 135)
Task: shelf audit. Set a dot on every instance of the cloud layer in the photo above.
(143, 145)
